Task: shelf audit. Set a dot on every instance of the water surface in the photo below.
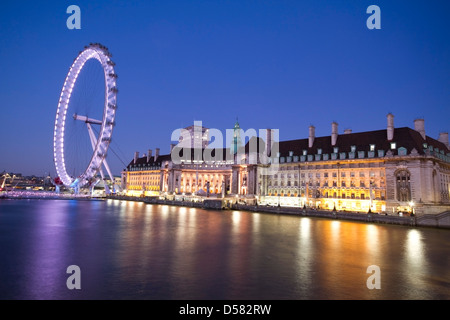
(131, 250)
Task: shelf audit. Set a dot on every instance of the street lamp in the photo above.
(411, 204)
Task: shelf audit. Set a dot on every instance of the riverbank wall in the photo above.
(441, 220)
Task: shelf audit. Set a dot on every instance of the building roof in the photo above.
(226, 155)
(403, 137)
(143, 160)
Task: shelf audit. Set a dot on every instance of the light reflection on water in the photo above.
(129, 250)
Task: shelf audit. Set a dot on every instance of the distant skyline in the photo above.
(273, 64)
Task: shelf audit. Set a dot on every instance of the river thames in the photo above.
(132, 250)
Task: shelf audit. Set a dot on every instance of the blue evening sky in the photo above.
(273, 64)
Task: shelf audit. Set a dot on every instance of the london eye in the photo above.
(85, 116)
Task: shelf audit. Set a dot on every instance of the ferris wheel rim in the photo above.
(101, 54)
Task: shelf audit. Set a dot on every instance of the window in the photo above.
(343, 174)
(352, 174)
(361, 174)
(402, 151)
(353, 148)
(335, 149)
(334, 174)
(304, 152)
(319, 151)
(372, 147)
(403, 185)
(325, 175)
(393, 145)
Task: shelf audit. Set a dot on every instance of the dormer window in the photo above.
(304, 152)
(291, 153)
(372, 147)
(353, 148)
(319, 151)
(335, 149)
(393, 145)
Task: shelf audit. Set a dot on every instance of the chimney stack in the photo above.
(268, 141)
(156, 153)
(136, 156)
(443, 137)
(419, 126)
(347, 131)
(149, 155)
(334, 133)
(312, 134)
(390, 126)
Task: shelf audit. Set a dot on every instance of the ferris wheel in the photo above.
(99, 140)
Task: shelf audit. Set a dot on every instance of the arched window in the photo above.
(403, 185)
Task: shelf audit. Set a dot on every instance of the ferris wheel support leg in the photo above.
(107, 191)
(93, 143)
(109, 172)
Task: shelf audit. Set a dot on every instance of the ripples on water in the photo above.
(130, 250)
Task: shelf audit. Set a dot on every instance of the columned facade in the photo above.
(391, 171)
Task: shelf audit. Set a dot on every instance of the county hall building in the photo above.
(388, 171)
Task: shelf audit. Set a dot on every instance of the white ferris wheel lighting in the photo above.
(99, 143)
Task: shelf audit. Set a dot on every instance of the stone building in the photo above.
(389, 170)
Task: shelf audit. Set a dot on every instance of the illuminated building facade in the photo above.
(389, 170)
(198, 171)
(145, 175)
